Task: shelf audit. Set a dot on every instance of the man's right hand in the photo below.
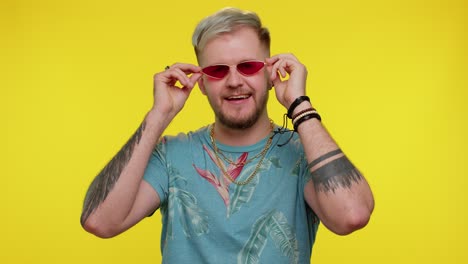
(169, 98)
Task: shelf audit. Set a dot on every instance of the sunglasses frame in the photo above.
(234, 65)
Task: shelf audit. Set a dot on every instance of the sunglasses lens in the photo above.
(216, 71)
(250, 67)
(246, 68)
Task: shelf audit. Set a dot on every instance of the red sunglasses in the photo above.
(247, 68)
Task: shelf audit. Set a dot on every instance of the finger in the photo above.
(195, 77)
(273, 73)
(186, 67)
(276, 83)
(171, 76)
(274, 70)
(192, 81)
(188, 70)
(187, 89)
(272, 60)
(290, 66)
(283, 64)
(281, 67)
(287, 56)
(183, 79)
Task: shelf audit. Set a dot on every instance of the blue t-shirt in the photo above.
(209, 219)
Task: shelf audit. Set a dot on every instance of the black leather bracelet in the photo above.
(297, 102)
(304, 118)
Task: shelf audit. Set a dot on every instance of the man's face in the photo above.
(238, 101)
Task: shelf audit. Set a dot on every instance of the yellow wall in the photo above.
(388, 77)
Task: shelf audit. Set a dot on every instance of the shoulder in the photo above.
(184, 139)
(170, 145)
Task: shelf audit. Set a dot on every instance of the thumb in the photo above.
(195, 77)
(276, 82)
(193, 80)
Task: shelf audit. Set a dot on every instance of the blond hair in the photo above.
(225, 21)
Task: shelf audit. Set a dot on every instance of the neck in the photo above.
(242, 137)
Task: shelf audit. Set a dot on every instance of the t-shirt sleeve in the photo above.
(156, 171)
(305, 175)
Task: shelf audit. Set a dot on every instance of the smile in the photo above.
(238, 97)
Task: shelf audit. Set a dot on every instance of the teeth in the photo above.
(237, 97)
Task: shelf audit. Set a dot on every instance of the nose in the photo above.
(234, 78)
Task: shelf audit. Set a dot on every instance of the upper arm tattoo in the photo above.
(338, 173)
(106, 179)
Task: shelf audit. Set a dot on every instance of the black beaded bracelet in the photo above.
(297, 102)
(304, 118)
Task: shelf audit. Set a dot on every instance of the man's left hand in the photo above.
(287, 90)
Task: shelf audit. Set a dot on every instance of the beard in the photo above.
(244, 122)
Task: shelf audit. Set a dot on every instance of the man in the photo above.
(238, 190)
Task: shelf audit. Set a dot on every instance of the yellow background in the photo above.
(388, 77)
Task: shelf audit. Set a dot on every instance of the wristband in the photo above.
(299, 116)
(306, 117)
(302, 112)
(297, 102)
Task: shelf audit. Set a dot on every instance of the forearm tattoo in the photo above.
(338, 173)
(106, 179)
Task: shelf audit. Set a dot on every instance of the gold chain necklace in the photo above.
(231, 161)
(262, 155)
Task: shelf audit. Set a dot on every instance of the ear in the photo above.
(201, 84)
